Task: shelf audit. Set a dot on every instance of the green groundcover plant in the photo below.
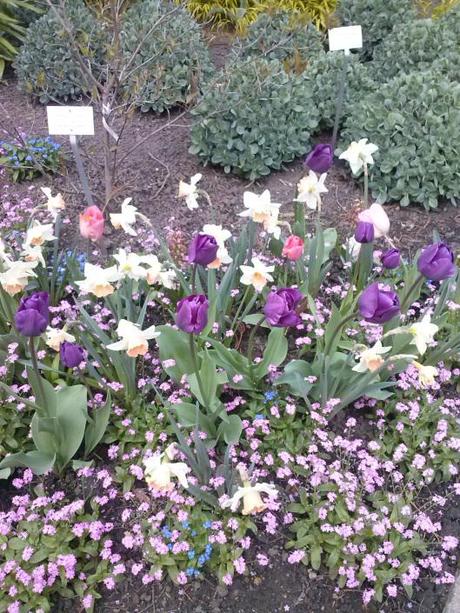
(158, 409)
(253, 118)
(414, 119)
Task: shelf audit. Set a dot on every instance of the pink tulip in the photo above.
(293, 248)
(92, 223)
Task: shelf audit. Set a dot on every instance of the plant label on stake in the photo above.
(73, 121)
(343, 39)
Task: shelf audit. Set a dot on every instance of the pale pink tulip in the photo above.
(92, 223)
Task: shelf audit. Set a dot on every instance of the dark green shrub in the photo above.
(255, 118)
(173, 60)
(415, 121)
(282, 36)
(377, 18)
(325, 73)
(46, 65)
(415, 46)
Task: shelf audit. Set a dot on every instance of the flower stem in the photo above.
(340, 98)
(252, 337)
(240, 306)
(366, 186)
(195, 367)
(194, 278)
(33, 354)
(404, 305)
(336, 331)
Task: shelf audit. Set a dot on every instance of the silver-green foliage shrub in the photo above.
(281, 36)
(326, 72)
(415, 121)
(415, 46)
(255, 118)
(47, 66)
(173, 59)
(377, 17)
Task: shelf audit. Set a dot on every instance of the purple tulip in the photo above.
(436, 262)
(280, 307)
(320, 158)
(32, 316)
(364, 232)
(377, 305)
(202, 249)
(391, 259)
(192, 313)
(72, 355)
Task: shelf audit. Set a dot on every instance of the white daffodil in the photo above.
(98, 280)
(38, 233)
(423, 332)
(371, 359)
(168, 278)
(426, 374)
(259, 208)
(129, 265)
(352, 248)
(54, 204)
(377, 216)
(252, 500)
(256, 275)
(159, 469)
(55, 337)
(359, 154)
(127, 217)
(189, 191)
(133, 340)
(16, 277)
(153, 270)
(221, 235)
(272, 225)
(310, 189)
(33, 254)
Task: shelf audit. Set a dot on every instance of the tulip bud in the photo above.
(320, 158)
(293, 248)
(391, 259)
(436, 262)
(364, 232)
(192, 313)
(32, 316)
(280, 307)
(92, 223)
(378, 306)
(203, 249)
(71, 354)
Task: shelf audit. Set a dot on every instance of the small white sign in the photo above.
(70, 120)
(349, 37)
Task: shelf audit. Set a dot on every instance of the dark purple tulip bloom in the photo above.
(377, 305)
(364, 232)
(202, 249)
(192, 313)
(72, 355)
(391, 259)
(280, 307)
(32, 316)
(436, 262)
(320, 158)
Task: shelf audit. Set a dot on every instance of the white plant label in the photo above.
(346, 38)
(70, 120)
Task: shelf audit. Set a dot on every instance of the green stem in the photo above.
(340, 98)
(251, 340)
(407, 295)
(366, 186)
(195, 367)
(240, 306)
(336, 331)
(33, 354)
(194, 269)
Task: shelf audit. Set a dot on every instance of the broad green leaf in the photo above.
(175, 344)
(275, 352)
(96, 427)
(231, 429)
(39, 462)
